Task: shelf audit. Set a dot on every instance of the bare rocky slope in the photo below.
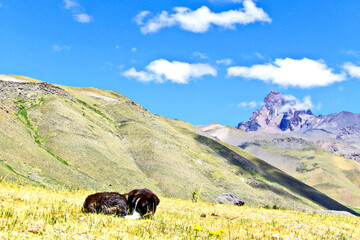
(87, 138)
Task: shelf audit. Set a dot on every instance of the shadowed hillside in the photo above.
(327, 172)
(274, 175)
(88, 138)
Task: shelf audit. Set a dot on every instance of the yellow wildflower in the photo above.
(217, 233)
(198, 228)
(212, 233)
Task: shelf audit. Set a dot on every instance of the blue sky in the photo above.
(201, 61)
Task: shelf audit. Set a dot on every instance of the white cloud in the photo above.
(202, 19)
(303, 73)
(140, 17)
(70, 4)
(200, 55)
(226, 62)
(82, 17)
(58, 48)
(353, 70)
(133, 49)
(162, 70)
(77, 11)
(250, 105)
(141, 76)
(295, 103)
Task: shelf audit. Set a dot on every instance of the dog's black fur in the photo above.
(107, 203)
(143, 201)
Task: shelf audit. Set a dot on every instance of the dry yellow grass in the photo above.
(29, 212)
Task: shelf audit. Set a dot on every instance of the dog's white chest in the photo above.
(135, 215)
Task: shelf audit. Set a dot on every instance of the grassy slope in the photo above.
(36, 213)
(330, 173)
(89, 138)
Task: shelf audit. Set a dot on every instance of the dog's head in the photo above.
(143, 201)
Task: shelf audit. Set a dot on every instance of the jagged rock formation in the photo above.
(337, 132)
(278, 114)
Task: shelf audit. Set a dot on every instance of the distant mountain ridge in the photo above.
(337, 132)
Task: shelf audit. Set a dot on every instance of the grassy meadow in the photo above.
(29, 212)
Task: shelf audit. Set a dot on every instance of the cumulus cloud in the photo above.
(133, 49)
(70, 4)
(58, 48)
(226, 62)
(294, 103)
(162, 70)
(142, 76)
(303, 73)
(352, 70)
(77, 11)
(250, 105)
(83, 18)
(140, 17)
(202, 19)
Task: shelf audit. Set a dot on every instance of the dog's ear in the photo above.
(157, 200)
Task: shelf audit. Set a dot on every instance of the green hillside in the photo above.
(330, 173)
(86, 138)
(325, 171)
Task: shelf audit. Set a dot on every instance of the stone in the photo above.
(229, 198)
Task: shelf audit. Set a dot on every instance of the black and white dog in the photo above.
(138, 203)
(141, 203)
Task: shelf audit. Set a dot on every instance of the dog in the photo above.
(142, 203)
(107, 203)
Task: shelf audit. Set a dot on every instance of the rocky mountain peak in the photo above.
(336, 132)
(273, 96)
(274, 102)
(278, 113)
